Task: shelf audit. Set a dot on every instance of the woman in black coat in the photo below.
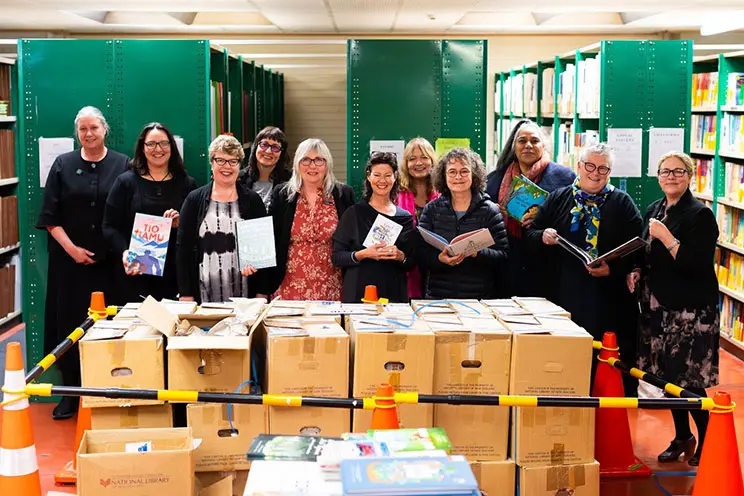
(597, 218)
(157, 185)
(462, 207)
(80, 261)
(381, 264)
(208, 266)
(306, 211)
(679, 298)
(266, 166)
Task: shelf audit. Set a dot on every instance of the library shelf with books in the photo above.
(718, 150)
(578, 96)
(10, 274)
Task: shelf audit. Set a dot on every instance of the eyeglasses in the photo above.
(265, 145)
(162, 144)
(674, 172)
(317, 161)
(602, 170)
(234, 162)
(454, 173)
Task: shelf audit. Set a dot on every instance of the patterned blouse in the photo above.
(310, 274)
(219, 271)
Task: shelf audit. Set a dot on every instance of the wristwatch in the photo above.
(674, 243)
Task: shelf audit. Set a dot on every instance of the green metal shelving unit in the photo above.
(400, 89)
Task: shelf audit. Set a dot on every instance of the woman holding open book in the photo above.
(208, 264)
(374, 241)
(678, 292)
(525, 157)
(596, 217)
(462, 208)
(156, 184)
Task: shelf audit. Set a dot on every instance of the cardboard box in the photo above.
(541, 306)
(567, 480)
(132, 417)
(223, 483)
(553, 436)
(129, 311)
(472, 358)
(551, 356)
(223, 447)
(121, 354)
(495, 478)
(105, 463)
(385, 352)
(311, 361)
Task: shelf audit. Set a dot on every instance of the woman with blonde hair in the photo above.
(678, 292)
(416, 191)
(306, 210)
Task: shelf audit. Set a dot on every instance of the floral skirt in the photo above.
(680, 346)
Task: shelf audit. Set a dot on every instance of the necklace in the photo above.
(158, 187)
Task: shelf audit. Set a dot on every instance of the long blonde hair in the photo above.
(405, 175)
(294, 185)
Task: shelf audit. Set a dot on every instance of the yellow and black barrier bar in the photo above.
(639, 374)
(68, 342)
(368, 403)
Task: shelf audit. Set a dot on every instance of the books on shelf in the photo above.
(730, 225)
(703, 132)
(566, 85)
(619, 252)
(587, 97)
(734, 182)
(732, 134)
(729, 267)
(702, 181)
(530, 93)
(705, 90)
(732, 317)
(735, 89)
(7, 154)
(9, 232)
(547, 104)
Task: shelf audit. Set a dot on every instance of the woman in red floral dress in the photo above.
(306, 210)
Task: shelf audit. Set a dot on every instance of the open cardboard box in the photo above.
(121, 354)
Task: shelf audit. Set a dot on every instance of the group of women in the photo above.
(668, 291)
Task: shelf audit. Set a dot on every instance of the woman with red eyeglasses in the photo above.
(267, 163)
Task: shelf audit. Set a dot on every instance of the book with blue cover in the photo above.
(525, 196)
(407, 476)
(148, 245)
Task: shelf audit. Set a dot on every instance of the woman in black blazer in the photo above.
(306, 210)
(678, 291)
(207, 257)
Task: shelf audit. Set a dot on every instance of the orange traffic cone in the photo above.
(68, 473)
(385, 414)
(613, 447)
(370, 295)
(19, 470)
(97, 305)
(719, 472)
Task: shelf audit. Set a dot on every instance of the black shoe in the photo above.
(67, 408)
(677, 448)
(695, 460)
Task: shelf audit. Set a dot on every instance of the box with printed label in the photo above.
(495, 478)
(565, 480)
(552, 436)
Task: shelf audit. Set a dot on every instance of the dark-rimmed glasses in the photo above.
(265, 145)
(602, 170)
(674, 172)
(164, 145)
(233, 162)
(317, 161)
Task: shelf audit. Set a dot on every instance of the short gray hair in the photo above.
(599, 149)
(91, 111)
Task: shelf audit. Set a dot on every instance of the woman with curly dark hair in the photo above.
(380, 264)
(463, 207)
(267, 163)
(156, 184)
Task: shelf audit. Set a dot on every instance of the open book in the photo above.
(467, 243)
(624, 249)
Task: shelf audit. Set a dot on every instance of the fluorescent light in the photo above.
(722, 22)
(292, 55)
(702, 47)
(8, 41)
(279, 42)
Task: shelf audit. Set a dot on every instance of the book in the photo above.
(466, 243)
(281, 447)
(255, 238)
(624, 249)
(148, 245)
(422, 439)
(407, 476)
(383, 230)
(525, 196)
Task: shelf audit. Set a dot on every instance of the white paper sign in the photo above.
(391, 146)
(49, 150)
(179, 144)
(660, 141)
(628, 146)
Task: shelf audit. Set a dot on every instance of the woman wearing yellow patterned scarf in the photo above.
(596, 217)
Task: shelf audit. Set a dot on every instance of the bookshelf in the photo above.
(10, 274)
(577, 96)
(716, 127)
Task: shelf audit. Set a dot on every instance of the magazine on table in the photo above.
(466, 244)
(624, 249)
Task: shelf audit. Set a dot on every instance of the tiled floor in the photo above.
(651, 433)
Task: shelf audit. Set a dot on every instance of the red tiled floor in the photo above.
(651, 433)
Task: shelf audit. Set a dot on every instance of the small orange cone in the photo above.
(370, 295)
(97, 305)
(613, 446)
(719, 472)
(19, 469)
(68, 474)
(385, 414)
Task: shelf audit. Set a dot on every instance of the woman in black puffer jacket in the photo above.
(463, 207)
